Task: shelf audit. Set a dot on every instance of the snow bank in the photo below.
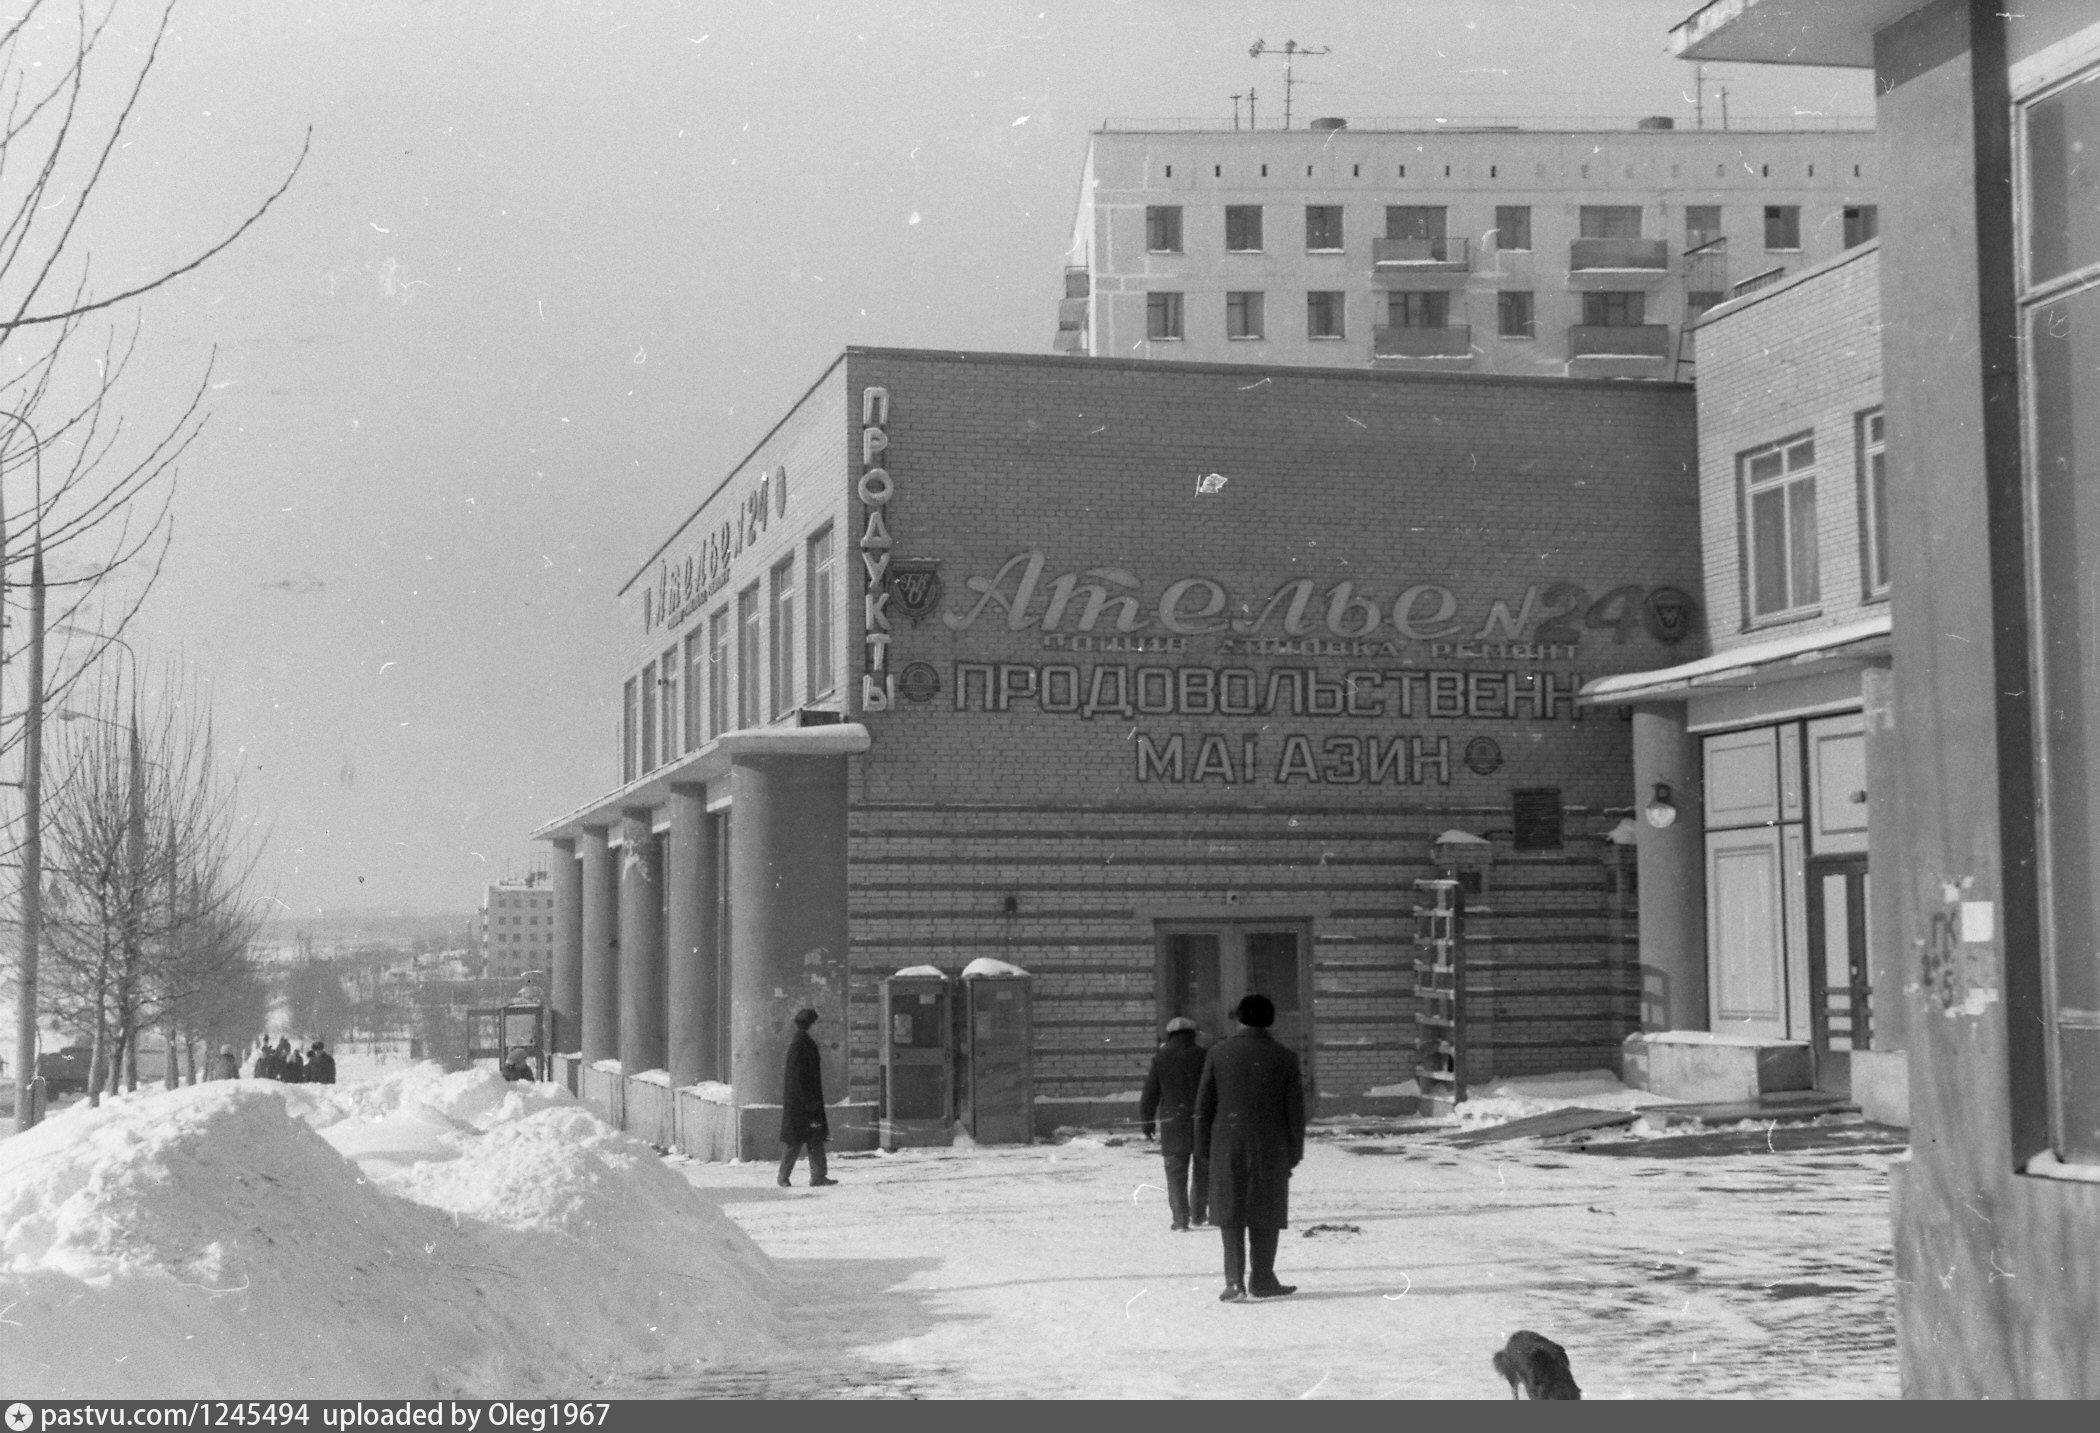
(420, 1235)
(1517, 1099)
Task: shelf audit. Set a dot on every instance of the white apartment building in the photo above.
(1511, 249)
(515, 927)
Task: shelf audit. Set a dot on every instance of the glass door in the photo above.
(1205, 967)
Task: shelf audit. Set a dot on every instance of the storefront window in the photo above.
(2060, 301)
(750, 656)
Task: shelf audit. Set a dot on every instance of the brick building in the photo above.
(1520, 248)
(1755, 897)
(1156, 680)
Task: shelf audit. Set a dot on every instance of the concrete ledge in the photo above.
(1881, 1086)
(1705, 1067)
(1342, 1106)
(1119, 1116)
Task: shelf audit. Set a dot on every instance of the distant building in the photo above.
(514, 929)
(1488, 249)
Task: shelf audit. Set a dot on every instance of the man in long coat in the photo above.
(802, 1120)
(1250, 1115)
(320, 1065)
(1170, 1100)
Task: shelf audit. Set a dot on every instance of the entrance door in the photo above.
(1746, 943)
(1839, 1014)
(1205, 967)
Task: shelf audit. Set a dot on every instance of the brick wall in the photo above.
(1801, 358)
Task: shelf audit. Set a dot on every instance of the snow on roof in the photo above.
(418, 1236)
(922, 970)
(985, 965)
(1456, 837)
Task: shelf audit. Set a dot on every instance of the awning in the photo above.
(710, 763)
(1851, 644)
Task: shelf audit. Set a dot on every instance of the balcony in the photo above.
(1451, 341)
(1616, 262)
(1071, 313)
(1619, 340)
(1397, 258)
(1075, 282)
(1706, 267)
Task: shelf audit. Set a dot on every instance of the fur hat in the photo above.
(1180, 1023)
(804, 1018)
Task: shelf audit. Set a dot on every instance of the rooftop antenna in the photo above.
(1236, 110)
(1290, 52)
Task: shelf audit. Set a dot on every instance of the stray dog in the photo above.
(1538, 1364)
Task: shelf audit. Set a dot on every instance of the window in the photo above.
(1615, 308)
(1323, 227)
(1243, 315)
(1413, 221)
(667, 689)
(718, 672)
(695, 670)
(823, 616)
(1429, 308)
(780, 649)
(1698, 301)
(1779, 500)
(750, 653)
(1862, 222)
(1323, 315)
(627, 748)
(1702, 224)
(1513, 226)
(1243, 228)
(1874, 504)
(1162, 316)
(1611, 221)
(1513, 314)
(648, 701)
(1783, 227)
(1163, 228)
(2059, 306)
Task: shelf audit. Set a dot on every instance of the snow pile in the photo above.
(421, 1235)
(1522, 1098)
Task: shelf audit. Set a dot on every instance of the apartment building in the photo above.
(1504, 249)
(515, 927)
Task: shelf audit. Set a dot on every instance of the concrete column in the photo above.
(689, 980)
(787, 917)
(566, 995)
(1672, 862)
(1887, 958)
(641, 944)
(601, 946)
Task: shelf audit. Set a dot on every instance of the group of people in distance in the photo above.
(282, 1061)
(1230, 1121)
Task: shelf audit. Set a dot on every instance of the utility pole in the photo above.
(1699, 95)
(1290, 52)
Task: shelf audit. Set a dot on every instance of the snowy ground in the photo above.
(420, 1234)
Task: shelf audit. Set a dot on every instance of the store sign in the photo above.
(682, 586)
(1546, 620)
(878, 687)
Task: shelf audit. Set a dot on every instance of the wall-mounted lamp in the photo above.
(1661, 812)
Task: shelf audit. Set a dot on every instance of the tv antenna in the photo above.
(1291, 51)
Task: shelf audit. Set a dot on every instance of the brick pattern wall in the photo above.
(1545, 497)
(1803, 357)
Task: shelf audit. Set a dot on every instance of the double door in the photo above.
(1205, 967)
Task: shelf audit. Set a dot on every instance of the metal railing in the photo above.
(1638, 254)
(1619, 340)
(1546, 124)
(1757, 281)
(1451, 252)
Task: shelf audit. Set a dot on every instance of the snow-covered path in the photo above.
(1049, 1271)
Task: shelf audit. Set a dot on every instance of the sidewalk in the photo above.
(1747, 1262)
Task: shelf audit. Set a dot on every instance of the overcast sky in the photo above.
(552, 267)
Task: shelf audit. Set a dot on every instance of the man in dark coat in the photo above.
(320, 1066)
(802, 1120)
(1250, 1115)
(266, 1063)
(227, 1065)
(1170, 1099)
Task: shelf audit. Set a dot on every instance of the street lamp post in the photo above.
(28, 1088)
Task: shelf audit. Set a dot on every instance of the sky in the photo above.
(550, 268)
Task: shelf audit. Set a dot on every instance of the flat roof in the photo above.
(1836, 33)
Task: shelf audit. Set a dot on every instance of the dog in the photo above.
(1538, 1365)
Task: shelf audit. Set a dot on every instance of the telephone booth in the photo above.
(514, 1036)
(918, 1058)
(996, 1077)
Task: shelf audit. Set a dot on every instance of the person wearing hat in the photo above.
(320, 1065)
(227, 1066)
(802, 1121)
(1170, 1101)
(1250, 1117)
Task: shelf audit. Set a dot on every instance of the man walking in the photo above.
(1250, 1116)
(320, 1065)
(802, 1120)
(1170, 1098)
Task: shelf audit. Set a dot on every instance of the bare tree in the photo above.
(85, 495)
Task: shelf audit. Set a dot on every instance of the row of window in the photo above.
(1781, 551)
(1246, 312)
(1323, 225)
(1539, 171)
(737, 668)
